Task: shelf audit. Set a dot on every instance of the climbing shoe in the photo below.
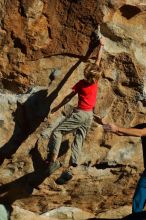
(65, 177)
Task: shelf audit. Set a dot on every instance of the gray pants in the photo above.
(78, 121)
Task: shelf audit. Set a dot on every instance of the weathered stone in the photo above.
(22, 214)
(37, 37)
(116, 213)
(68, 213)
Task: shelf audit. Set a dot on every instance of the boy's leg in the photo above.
(51, 127)
(139, 198)
(70, 124)
(56, 139)
(77, 145)
(79, 139)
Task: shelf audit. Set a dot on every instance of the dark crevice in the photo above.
(19, 44)
(22, 11)
(118, 92)
(129, 11)
(49, 33)
(105, 165)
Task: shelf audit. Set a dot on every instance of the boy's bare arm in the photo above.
(64, 101)
(136, 132)
(100, 50)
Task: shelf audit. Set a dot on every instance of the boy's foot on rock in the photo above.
(65, 177)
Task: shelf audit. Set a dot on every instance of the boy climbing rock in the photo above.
(79, 120)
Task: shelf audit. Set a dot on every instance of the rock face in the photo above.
(44, 47)
(68, 213)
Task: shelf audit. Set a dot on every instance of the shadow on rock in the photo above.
(134, 216)
(23, 187)
(30, 114)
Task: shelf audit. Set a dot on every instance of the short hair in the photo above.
(92, 72)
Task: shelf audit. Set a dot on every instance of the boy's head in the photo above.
(92, 73)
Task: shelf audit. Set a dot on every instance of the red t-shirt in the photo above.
(87, 94)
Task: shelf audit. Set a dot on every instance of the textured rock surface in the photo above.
(21, 214)
(44, 46)
(68, 213)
